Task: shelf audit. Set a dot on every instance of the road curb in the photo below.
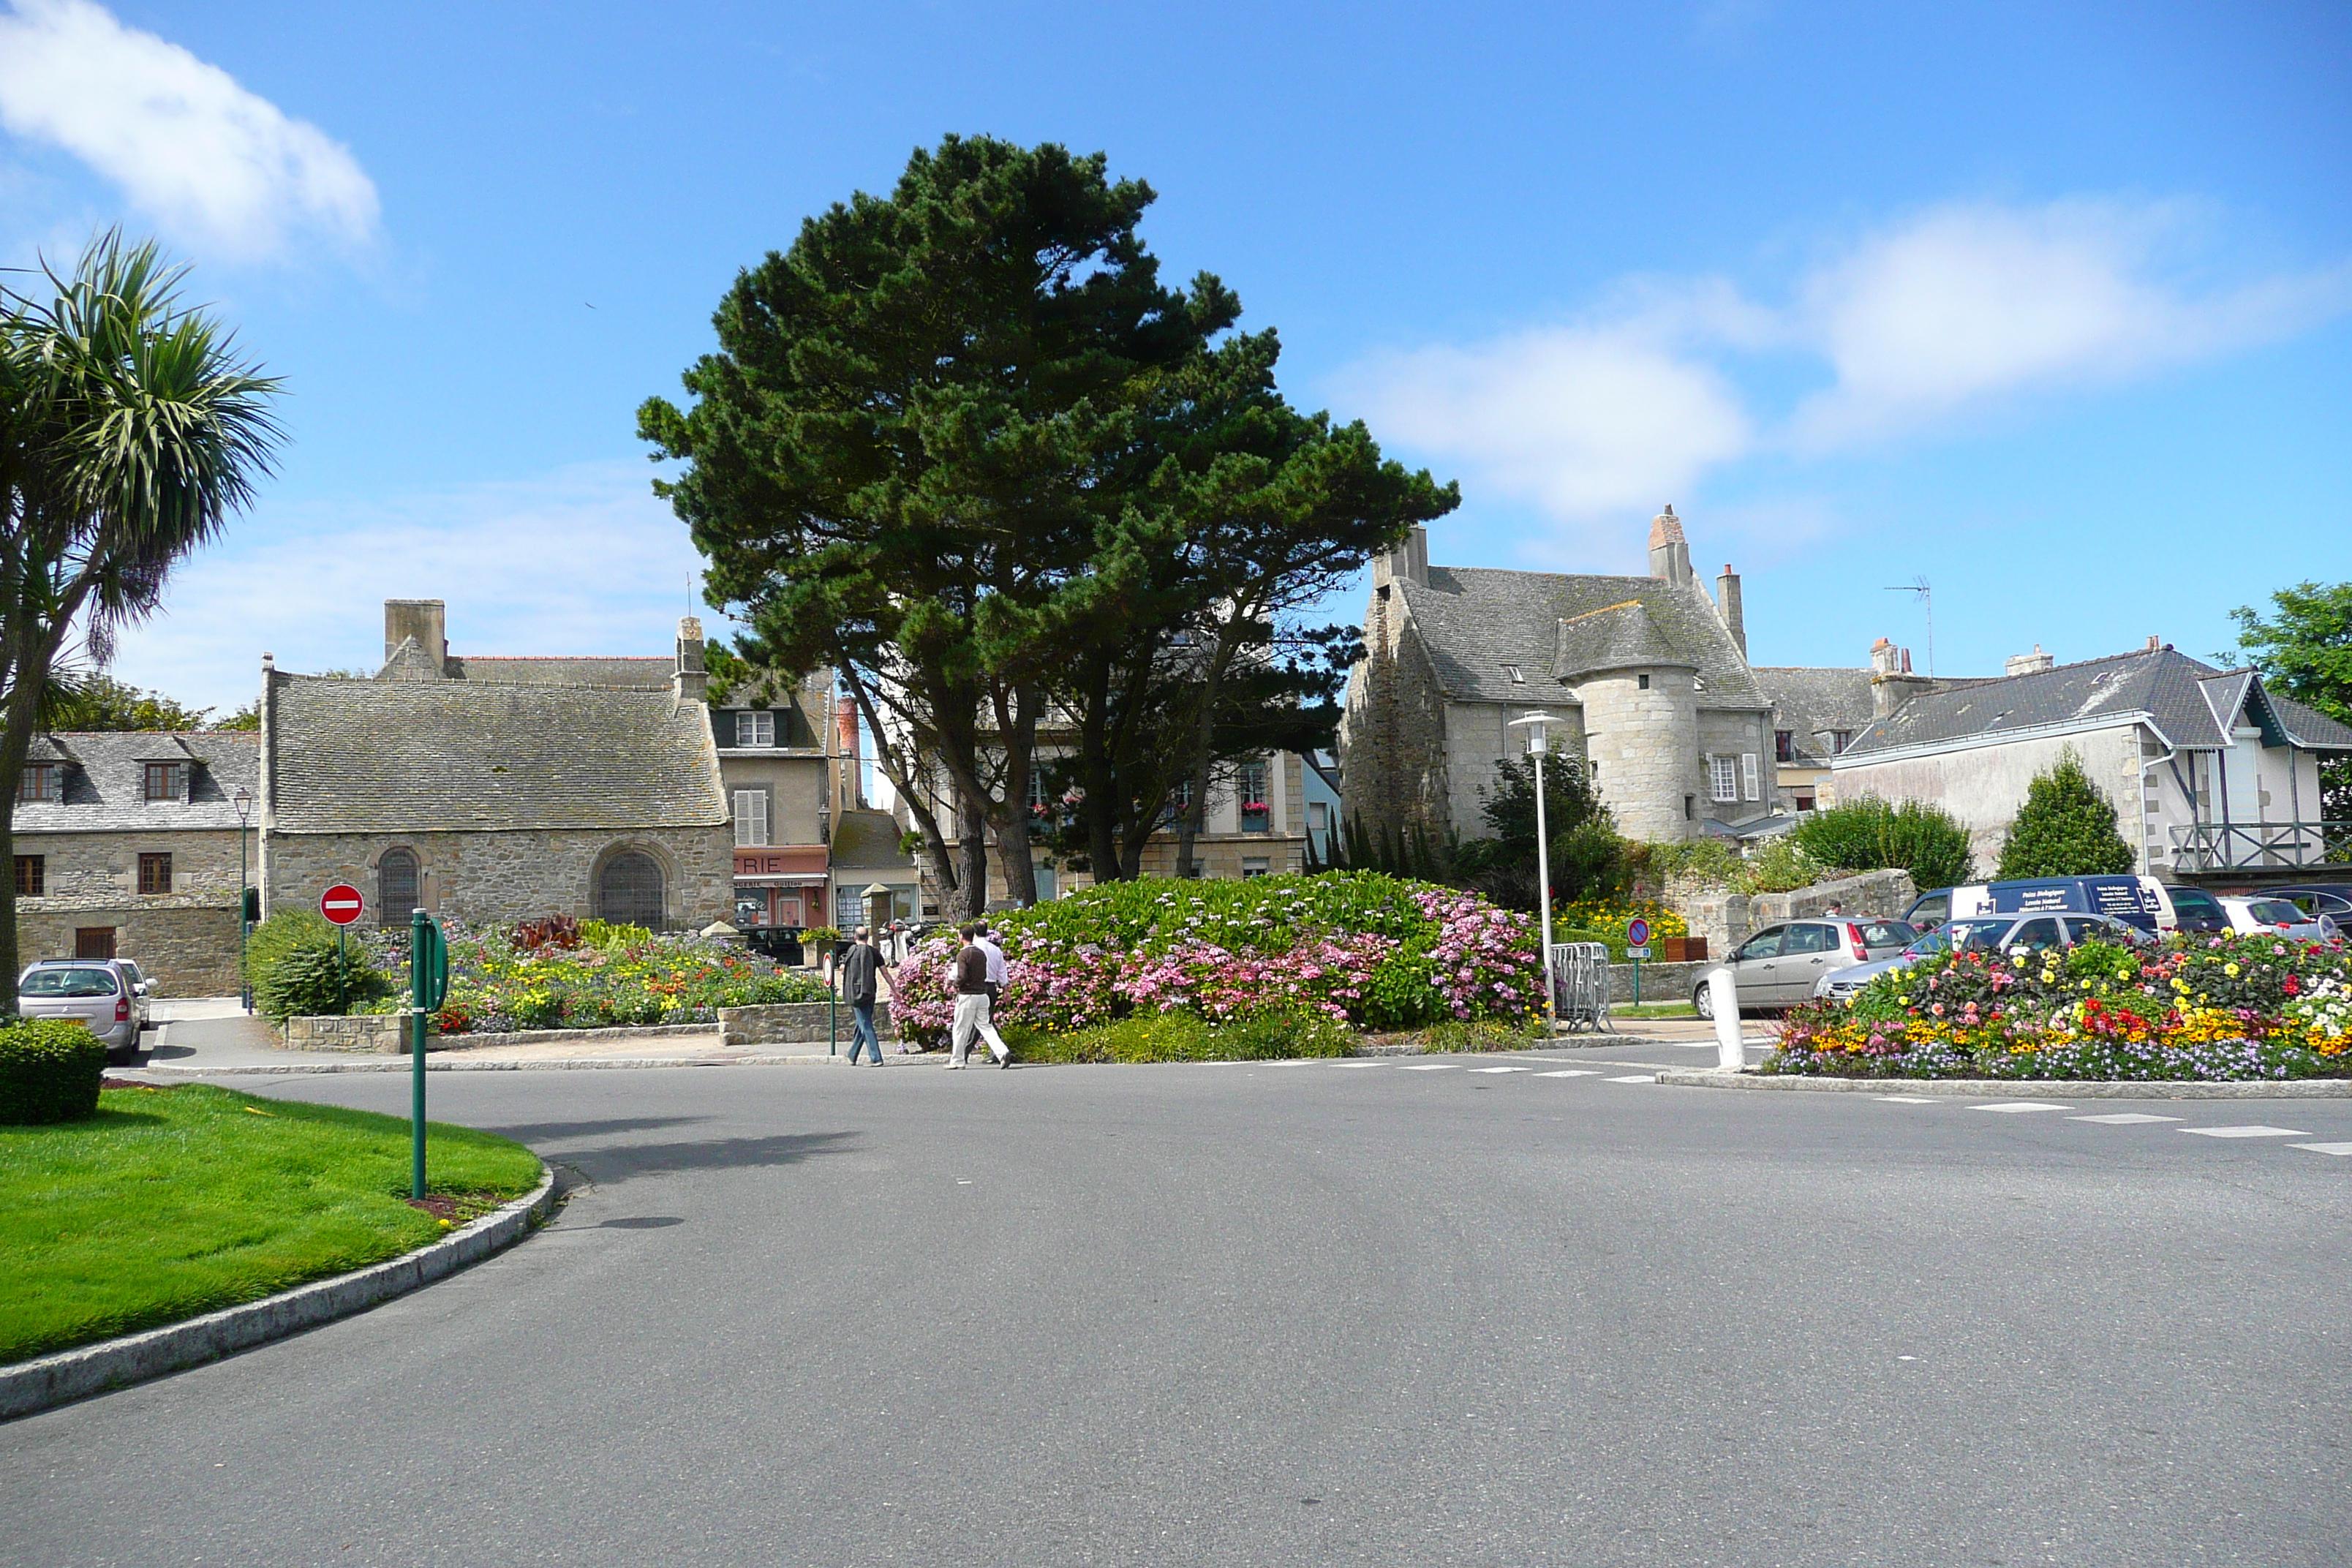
(402, 1065)
(52, 1380)
(2010, 1088)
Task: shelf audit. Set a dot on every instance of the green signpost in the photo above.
(428, 987)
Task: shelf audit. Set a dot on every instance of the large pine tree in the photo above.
(2068, 828)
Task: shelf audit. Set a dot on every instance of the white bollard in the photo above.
(1723, 993)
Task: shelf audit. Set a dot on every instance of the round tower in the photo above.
(1640, 741)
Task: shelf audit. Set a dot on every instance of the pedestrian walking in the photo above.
(859, 973)
(971, 1011)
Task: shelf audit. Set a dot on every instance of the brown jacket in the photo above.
(971, 972)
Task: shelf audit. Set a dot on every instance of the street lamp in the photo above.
(1535, 725)
(243, 801)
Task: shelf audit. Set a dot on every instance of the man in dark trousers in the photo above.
(971, 1003)
(858, 972)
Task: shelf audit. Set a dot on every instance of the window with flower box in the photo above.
(1250, 779)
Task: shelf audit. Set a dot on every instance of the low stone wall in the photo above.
(381, 1033)
(184, 942)
(1660, 982)
(1726, 920)
(790, 1023)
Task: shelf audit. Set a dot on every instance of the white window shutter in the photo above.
(1747, 774)
(751, 818)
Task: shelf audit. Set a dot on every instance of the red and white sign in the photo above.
(341, 904)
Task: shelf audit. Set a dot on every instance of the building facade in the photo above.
(1645, 680)
(130, 845)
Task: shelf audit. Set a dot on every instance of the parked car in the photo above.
(2195, 911)
(140, 986)
(94, 992)
(1777, 965)
(2268, 916)
(1986, 933)
(2318, 899)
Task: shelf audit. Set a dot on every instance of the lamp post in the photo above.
(1535, 724)
(243, 801)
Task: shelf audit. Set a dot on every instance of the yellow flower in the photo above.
(2231, 970)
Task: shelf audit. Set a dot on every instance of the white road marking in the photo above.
(1907, 1098)
(2125, 1119)
(2014, 1106)
(2336, 1149)
(2250, 1132)
(1636, 1077)
(1571, 1072)
(1502, 1070)
(1425, 1067)
(1363, 1063)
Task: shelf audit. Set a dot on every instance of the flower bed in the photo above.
(591, 977)
(1372, 951)
(1605, 919)
(2219, 1008)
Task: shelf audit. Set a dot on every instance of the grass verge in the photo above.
(172, 1202)
(1188, 1038)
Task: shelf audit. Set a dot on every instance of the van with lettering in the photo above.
(2141, 901)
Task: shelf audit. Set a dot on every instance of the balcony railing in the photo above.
(2236, 845)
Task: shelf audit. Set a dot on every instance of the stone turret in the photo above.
(1669, 551)
(425, 621)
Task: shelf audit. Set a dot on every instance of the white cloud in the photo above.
(1582, 421)
(218, 166)
(586, 560)
(1969, 303)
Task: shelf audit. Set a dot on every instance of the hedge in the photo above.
(49, 1070)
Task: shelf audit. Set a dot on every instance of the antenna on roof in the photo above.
(1926, 597)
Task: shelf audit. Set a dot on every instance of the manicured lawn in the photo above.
(1652, 1010)
(169, 1203)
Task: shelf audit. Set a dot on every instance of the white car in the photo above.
(2259, 916)
(93, 993)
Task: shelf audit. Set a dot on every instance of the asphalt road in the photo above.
(1326, 1314)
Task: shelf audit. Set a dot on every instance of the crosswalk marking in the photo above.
(1907, 1098)
(1571, 1072)
(1502, 1070)
(1425, 1067)
(1636, 1077)
(2250, 1132)
(2336, 1149)
(2125, 1118)
(2021, 1105)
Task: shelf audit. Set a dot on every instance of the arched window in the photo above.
(629, 891)
(397, 890)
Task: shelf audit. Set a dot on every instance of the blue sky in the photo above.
(2048, 303)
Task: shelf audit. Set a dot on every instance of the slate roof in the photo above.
(392, 756)
(1475, 620)
(1619, 637)
(2190, 703)
(869, 840)
(1814, 704)
(641, 674)
(105, 780)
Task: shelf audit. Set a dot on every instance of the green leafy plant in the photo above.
(2066, 828)
(49, 1070)
(1869, 835)
(291, 962)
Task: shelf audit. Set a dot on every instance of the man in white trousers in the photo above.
(971, 1009)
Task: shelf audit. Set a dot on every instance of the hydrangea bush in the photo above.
(629, 977)
(1371, 951)
(2205, 1007)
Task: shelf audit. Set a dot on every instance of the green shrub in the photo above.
(1486, 1033)
(49, 1070)
(1781, 865)
(2066, 828)
(297, 969)
(1271, 1035)
(605, 933)
(1869, 835)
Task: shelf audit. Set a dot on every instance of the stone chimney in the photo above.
(1727, 604)
(1669, 551)
(1892, 684)
(691, 683)
(2028, 663)
(1408, 562)
(426, 621)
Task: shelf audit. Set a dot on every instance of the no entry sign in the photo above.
(340, 903)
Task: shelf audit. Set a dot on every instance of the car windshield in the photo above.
(1976, 936)
(67, 982)
(2276, 912)
(1933, 941)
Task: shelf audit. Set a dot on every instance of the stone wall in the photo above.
(1983, 786)
(790, 1023)
(383, 1033)
(1644, 746)
(186, 944)
(1730, 732)
(106, 865)
(483, 878)
(1726, 920)
(1393, 754)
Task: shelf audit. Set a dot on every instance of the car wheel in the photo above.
(1703, 1000)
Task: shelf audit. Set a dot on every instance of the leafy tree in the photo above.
(2066, 828)
(2305, 651)
(896, 456)
(1587, 856)
(1869, 835)
(129, 429)
(102, 702)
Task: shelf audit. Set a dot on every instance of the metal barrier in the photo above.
(1580, 978)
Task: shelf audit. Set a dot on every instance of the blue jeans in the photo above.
(861, 1015)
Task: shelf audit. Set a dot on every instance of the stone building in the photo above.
(2211, 773)
(1646, 681)
(128, 845)
(497, 790)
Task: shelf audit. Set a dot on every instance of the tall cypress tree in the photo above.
(2066, 828)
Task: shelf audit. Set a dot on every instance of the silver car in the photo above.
(94, 992)
(1777, 966)
(1986, 933)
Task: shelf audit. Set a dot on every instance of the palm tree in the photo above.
(129, 429)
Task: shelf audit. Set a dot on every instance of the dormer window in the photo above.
(1518, 676)
(1838, 739)
(42, 781)
(165, 781)
(755, 729)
